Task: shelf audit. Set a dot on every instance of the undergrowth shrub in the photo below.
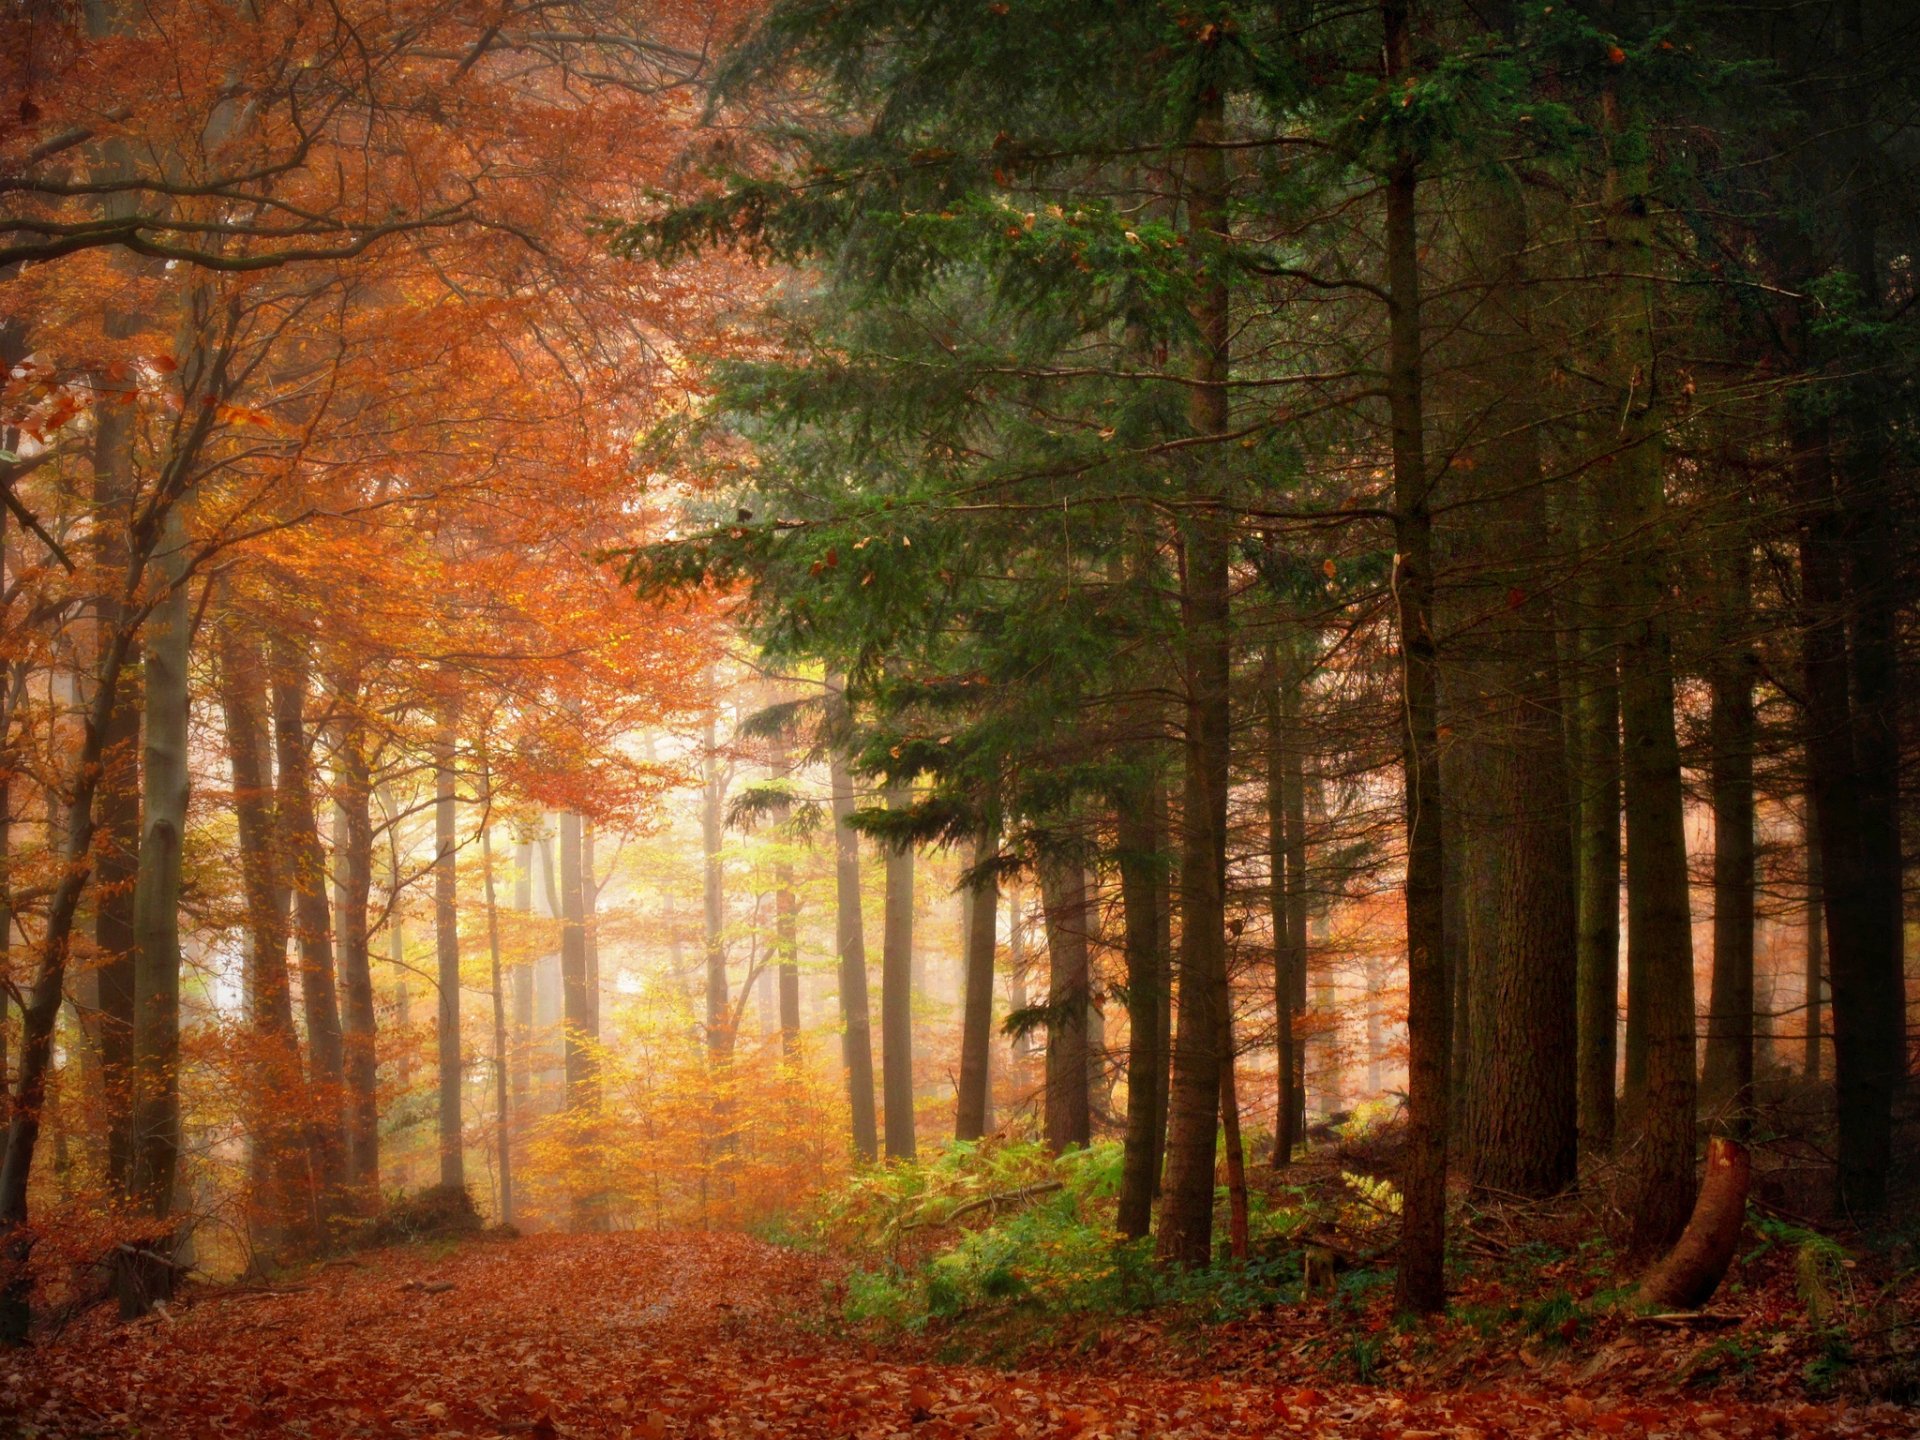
(1001, 1224)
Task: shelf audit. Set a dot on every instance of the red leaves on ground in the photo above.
(649, 1337)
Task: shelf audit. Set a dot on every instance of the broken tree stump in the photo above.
(1688, 1274)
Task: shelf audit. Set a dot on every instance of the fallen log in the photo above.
(1687, 1276)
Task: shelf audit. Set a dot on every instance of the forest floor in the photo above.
(646, 1336)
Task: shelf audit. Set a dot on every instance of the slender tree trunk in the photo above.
(520, 978)
(353, 825)
(1237, 1224)
(786, 931)
(857, 1034)
(974, 1112)
(1420, 1281)
(896, 993)
(1186, 1212)
(720, 1018)
(1815, 942)
(1140, 837)
(446, 932)
(502, 1100)
(1286, 957)
(1729, 1069)
(1063, 894)
(581, 1025)
(306, 863)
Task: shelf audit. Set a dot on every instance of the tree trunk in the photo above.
(1522, 1109)
(155, 1155)
(446, 933)
(299, 829)
(974, 1111)
(581, 1025)
(720, 1017)
(279, 1171)
(1692, 1270)
(896, 994)
(1237, 1222)
(1186, 1212)
(502, 1100)
(1420, 1281)
(1815, 940)
(857, 1035)
(1596, 722)
(786, 932)
(520, 978)
(116, 859)
(1283, 790)
(1140, 835)
(353, 839)
(1063, 895)
(1729, 1068)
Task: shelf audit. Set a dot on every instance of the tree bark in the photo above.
(974, 1111)
(896, 993)
(1815, 958)
(786, 929)
(1420, 1279)
(1689, 1273)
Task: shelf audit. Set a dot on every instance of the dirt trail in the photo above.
(641, 1337)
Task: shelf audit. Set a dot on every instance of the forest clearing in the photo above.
(1005, 717)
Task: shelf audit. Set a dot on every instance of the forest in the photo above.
(1107, 718)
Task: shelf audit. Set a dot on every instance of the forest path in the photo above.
(644, 1337)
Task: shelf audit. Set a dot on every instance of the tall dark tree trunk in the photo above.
(446, 933)
(974, 1111)
(353, 857)
(1186, 1211)
(307, 871)
(1729, 1067)
(1522, 1111)
(1063, 895)
(1140, 836)
(1595, 703)
(856, 1017)
(1862, 931)
(896, 993)
(1420, 1281)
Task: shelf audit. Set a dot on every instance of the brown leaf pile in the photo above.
(645, 1337)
